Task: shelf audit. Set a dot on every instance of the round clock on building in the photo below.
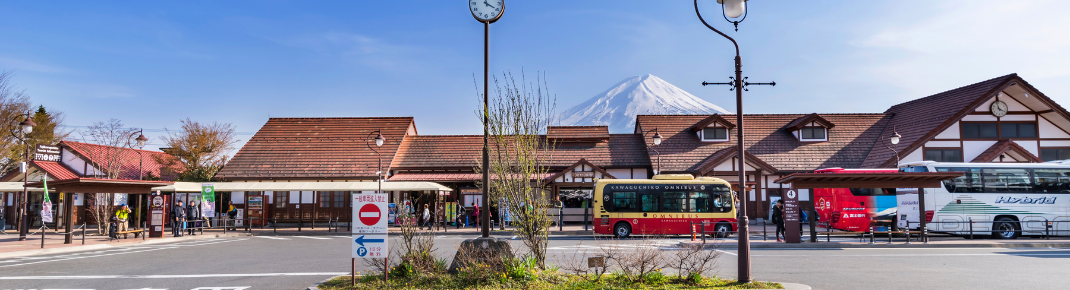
(487, 10)
(998, 108)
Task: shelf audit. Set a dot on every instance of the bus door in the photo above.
(649, 205)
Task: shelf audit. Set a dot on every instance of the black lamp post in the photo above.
(735, 9)
(657, 141)
(894, 139)
(140, 141)
(379, 180)
(25, 127)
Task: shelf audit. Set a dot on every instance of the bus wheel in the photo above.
(722, 230)
(1006, 228)
(622, 230)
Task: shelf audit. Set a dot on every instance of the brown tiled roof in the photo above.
(811, 118)
(132, 162)
(767, 140)
(578, 132)
(725, 154)
(1004, 145)
(715, 118)
(464, 152)
(577, 164)
(447, 176)
(299, 148)
(920, 120)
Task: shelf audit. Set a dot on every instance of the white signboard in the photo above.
(369, 225)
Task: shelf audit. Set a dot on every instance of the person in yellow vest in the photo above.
(121, 215)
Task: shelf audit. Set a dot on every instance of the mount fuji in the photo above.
(638, 95)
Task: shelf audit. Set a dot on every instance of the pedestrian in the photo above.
(232, 214)
(427, 217)
(121, 216)
(461, 214)
(193, 214)
(178, 216)
(475, 213)
(778, 219)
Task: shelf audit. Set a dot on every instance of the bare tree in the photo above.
(14, 105)
(200, 149)
(518, 113)
(108, 159)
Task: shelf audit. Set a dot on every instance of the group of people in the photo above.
(185, 219)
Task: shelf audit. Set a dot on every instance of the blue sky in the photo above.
(151, 64)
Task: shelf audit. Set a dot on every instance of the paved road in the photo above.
(289, 262)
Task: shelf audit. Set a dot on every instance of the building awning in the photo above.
(99, 185)
(305, 186)
(868, 180)
(443, 176)
(16, 187)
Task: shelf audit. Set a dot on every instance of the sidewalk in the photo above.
(10, 246)
(757, 240)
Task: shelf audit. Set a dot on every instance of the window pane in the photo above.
(1008, 130)
(1064, 154)
(1049, 154)
(988, 130)
(1051, 180)
(819, 133)
(721, 133)
(709, 133)
(807, 133)
(952, 155)
(698, 202)
(1006, 180)
(1027, 130)
(970, 131)
(673, 202)
(623, 202)
(934, 155)
(649, 202)
(281, 197)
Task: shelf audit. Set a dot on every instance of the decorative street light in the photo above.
(25, 127)
(379, 180)
(657, 141)
(486, 11)
(735, 9)
(140, 141)
(894, 139)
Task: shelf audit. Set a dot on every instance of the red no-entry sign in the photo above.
(370, 214)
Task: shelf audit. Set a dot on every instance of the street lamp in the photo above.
(894, 139)
(25, 127)
(657, 141)
(379, 180)
(735, 9)
(140, 141)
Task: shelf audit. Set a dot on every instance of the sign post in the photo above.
(369, 228)
(157, 214)
(791, 217)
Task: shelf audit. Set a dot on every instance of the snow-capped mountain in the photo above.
(646, 95)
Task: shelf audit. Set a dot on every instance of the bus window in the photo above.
(649, 202)
(1006, 180)
(698, 202)
(673, 202)
(914, 169)
(1051, 180)
(969, 182)
(623, 202)
(872, 191)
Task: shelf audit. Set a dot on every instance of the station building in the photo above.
(1003, 119)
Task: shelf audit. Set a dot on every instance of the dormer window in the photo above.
(715, 134)
(812, 134)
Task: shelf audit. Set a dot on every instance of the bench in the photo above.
(135, 232)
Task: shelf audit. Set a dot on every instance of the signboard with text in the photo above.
(791, 217)
(370, 212)
(46, 153)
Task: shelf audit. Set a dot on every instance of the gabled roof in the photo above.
(767, 140)
(1004, 146)
(579, 133)
(464, 152)
(726, 154)
(298, 148)
(920, 120)
(577, 164)
(715, 118)
(56, 170)
(132, 163)
(806, 120)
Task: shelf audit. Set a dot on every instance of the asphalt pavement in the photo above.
(294, 262)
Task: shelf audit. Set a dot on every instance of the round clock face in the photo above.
(486, 10)
(998, 108)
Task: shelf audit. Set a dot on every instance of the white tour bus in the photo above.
(1006, 200)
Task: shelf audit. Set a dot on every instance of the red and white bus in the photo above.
(665, 205)
(853, 209)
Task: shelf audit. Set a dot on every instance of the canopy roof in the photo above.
(98, 185)
(304, 186)
(15, 186)
(868, 180)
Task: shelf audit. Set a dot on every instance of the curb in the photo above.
(787, 286)
(316, 286)
(79, 248)
(794, 286)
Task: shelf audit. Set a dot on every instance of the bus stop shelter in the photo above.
(67, 187)
(809, 181)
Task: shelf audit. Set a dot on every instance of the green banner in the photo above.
(208, 192)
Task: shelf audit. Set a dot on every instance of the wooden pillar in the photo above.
(137, 214)
(921, 215)
(68, 214)
(758, 194)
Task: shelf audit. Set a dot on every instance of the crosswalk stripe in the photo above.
(273, 238)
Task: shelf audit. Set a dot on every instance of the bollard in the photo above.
(692, 231)
(971, 227)
(907, 230)
(889, 235)
(83, 234)
(925, 235)
(703, 232)
(765, 232)
(561, 218)
(43, 234)
(274, 224)
(871, 234)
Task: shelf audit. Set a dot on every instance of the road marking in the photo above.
(727, 252)
(273, 238)
(109, 252)
(314, 238)
(170, 276)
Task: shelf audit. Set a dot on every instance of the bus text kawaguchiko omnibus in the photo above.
(665, 205)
